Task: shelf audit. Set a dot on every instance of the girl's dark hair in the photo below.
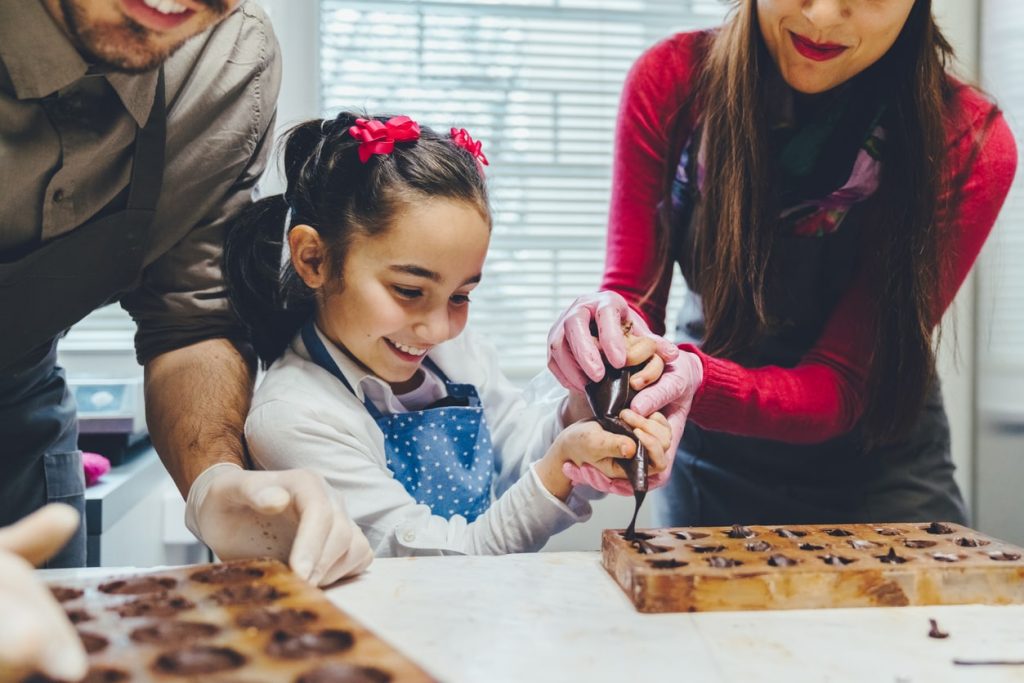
(331, 190)
(728, 258)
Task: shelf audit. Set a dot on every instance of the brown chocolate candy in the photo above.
(247, 593)
(198, 659)
(338, 672)
(291, 645)
(174, 632)
(146, 584)
(265, 619)
(225, 573)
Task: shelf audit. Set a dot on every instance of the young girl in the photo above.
(372, 384)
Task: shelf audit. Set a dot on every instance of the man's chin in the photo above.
(132, 59)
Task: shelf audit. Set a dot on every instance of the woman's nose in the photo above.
(826, 13)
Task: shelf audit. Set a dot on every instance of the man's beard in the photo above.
(125, 46)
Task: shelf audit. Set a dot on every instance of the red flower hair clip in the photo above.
(462, 138)
(379, 137)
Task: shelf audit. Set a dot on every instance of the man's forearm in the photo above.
(197, 398)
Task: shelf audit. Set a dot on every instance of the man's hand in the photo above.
(292, 515)
(35, 634)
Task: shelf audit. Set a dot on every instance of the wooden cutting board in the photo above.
(695, 569)
(249, 621)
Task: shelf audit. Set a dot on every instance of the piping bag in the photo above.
(607, 398)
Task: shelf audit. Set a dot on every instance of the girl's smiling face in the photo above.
(820, 44)
(403, 291)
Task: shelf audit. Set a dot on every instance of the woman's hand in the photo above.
(587, 445)
(574, 355)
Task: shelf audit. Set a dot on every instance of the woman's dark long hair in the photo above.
(728, 259)
(331, 190)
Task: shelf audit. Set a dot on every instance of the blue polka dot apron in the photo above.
(441, 454)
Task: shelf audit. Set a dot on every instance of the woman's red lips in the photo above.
(818, 52)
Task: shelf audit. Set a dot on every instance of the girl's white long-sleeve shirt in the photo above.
(303, 416)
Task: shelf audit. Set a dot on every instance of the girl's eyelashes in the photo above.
(406, 292)
(460, 299)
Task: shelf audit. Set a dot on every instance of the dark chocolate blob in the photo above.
(637, 536)
(758, 546)
(266, 619)
(836, 560)
(968, 542)
(689, 535)
(666, 564)
(174, 632)
(918, 543)
(77, 616)
(891, 557)
(247, 593)
(160, 605)
(738, 531)
(938, 528)
(139, 586)
(781, 561)
(338, 672)
(789, 533)
(227, 573)
(290, 645)
(838, 532)
(198, 659)
(647, 548)
(1004, 556)
(719, 562)
(811, 546)
(65, 594)
(92, 642)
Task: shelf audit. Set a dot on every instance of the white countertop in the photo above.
(560, 617)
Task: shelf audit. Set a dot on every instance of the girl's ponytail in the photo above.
(272, 310)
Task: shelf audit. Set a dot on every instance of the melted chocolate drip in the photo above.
(934, 632)
(938, 528)
(811, 546)
(738, 531)
(891, 557)
(608, 398)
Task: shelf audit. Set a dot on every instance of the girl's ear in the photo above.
(309, 255)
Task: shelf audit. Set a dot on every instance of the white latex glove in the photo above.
(35, 634)
(291, 515)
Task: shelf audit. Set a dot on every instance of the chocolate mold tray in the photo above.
(697, 569)
(248, 621)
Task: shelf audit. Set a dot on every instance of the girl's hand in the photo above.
(583, 442)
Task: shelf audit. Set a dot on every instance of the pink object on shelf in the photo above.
(95, 466)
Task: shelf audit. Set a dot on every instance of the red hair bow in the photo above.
(379, 137)
(461, 138)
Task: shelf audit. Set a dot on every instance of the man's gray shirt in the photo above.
(58, 172)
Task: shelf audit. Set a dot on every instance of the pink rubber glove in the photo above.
(574, 358)
(95, 466)
(673, 395)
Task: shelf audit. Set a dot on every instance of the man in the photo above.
(131, 131)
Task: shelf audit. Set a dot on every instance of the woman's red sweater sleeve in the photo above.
(823, 395)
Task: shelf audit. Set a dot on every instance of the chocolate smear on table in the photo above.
(608, 398)
(935, 632)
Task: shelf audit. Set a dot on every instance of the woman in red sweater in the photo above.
(825, 187)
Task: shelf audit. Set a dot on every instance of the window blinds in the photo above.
(538, 81)
(1001, 314)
